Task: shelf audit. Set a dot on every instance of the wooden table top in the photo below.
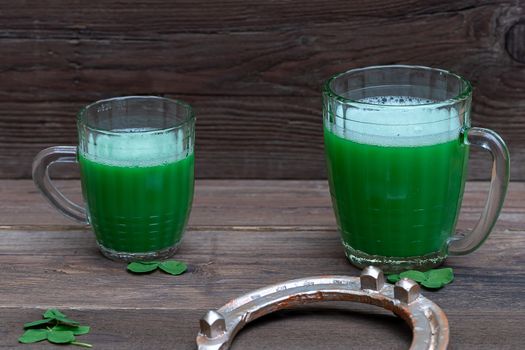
(244, 235)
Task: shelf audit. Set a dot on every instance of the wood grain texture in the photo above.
(176, 329)
(222, 265)
(244, 235)
(249, 203)
(253, 70)
(313, 328)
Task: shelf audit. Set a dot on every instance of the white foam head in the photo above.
(401, 125)
(136, 147)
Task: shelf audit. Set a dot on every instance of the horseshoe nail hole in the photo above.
(333, 325)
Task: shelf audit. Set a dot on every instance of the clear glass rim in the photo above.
(190, 117)
(461, 96)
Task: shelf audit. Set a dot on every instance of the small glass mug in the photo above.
(397, 141)
(137, 173)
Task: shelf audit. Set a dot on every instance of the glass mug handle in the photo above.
(41, 164)
(489, 140)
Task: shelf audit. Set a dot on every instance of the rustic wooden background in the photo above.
(252, 69)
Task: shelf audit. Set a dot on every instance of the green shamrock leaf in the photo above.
(438, 278)
(60, 337)
(63, 331)
(432, 284)
(393, 278)
(77, 330)
(149, 262)
(38, 323)
(445, 275)
(67, 321)
(414, 275)
(173, 267)
(143, 267)
(431, 279)
(53, 313)
(33, 336)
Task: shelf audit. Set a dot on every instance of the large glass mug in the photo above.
(397, 142)
(137, 173)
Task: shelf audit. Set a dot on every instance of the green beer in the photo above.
(397, 159)
(137, 168)
(396, 191)
(138, 189)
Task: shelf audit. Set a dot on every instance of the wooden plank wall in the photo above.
(252, 69)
